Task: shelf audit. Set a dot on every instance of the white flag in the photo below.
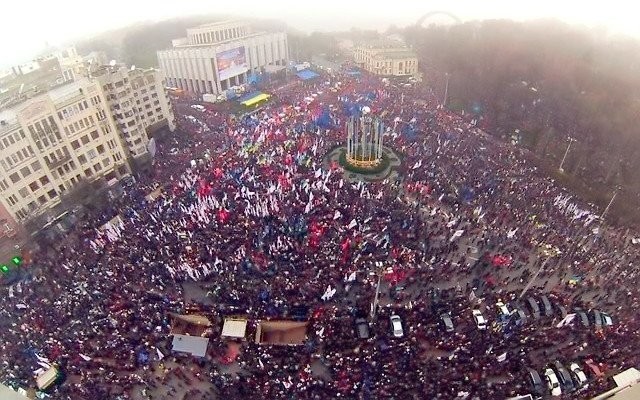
(352, 224)
(502, 357)
(456, 235)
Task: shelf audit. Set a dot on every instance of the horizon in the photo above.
(63, 28)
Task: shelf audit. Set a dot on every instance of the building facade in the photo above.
(53, 141)
(138, 103)
(386, 61)
(214, 57)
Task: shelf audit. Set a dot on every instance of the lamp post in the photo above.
(446, 90)
(374, 306)
(571, 140)
(606, 209)
(534, 277)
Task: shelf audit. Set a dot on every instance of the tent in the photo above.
(234, 327)
(307, 74)
(47, 378)
(194, 345)
(152, 196)
(190, 324)
(281, 332)
(7, 393)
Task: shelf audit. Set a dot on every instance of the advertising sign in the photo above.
(231, 62)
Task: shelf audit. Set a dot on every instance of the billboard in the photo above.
(231, 62)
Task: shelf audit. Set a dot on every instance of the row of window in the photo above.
(11, 138)
(79, 125)
(16, 158)
(72, 110)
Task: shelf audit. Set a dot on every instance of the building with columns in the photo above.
(214, 57)
(386, 59)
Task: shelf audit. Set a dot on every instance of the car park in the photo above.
(578, 375)
(362, 328)
(535, 309)
(566, 383)
(546, 305)
(447, 322)
(396, 326)
(552, 382)
(481, 322)
(537, 385)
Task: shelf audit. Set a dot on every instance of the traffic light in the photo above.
(4, 268)
(17, 260)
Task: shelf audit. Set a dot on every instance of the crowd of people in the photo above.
(249, 211)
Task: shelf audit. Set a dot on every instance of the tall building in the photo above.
(387, 59)
(51, 142)
(138, 103)
(214, 57)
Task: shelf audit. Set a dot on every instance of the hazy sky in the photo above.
(27, 25)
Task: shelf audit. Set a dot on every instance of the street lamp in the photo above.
(618, 188)
(571, 140)
(446, 90)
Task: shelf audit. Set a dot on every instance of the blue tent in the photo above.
(307, 74)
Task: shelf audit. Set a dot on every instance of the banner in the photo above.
(231, 63)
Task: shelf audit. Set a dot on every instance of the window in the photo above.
(36, 165)
(23, 192)
(82, 159)
(42, 199)
(44, 180)
(88, 172)
(92, 154)
(75, 145)
(100, 149)
(52, 194)
(25, 171)
(61, 188)
(32, 205)
(34, 186)
(106, 162)
(84, 139)
(97, 167)
(95, 135)
(3, 185)
(12, 200)
(15, 178)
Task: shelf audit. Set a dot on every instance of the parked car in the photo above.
(447, 323)
(552, 382)
(596, 318)
(537, 385)
(481, 323)
(503, 310)
(566, 383)
(548, 311)
(520, 315)
(396, 326)
(579, 377)
(535, 309)
(362, 328)
(582, 316)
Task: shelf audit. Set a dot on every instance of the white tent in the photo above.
(234, 327)
(7, 393)
(194, 345)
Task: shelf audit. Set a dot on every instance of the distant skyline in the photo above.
(28, 24)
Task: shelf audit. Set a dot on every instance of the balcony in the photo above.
(58, 162)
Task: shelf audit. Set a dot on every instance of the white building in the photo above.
(51, 142)
(214, 57)
(138, 103)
